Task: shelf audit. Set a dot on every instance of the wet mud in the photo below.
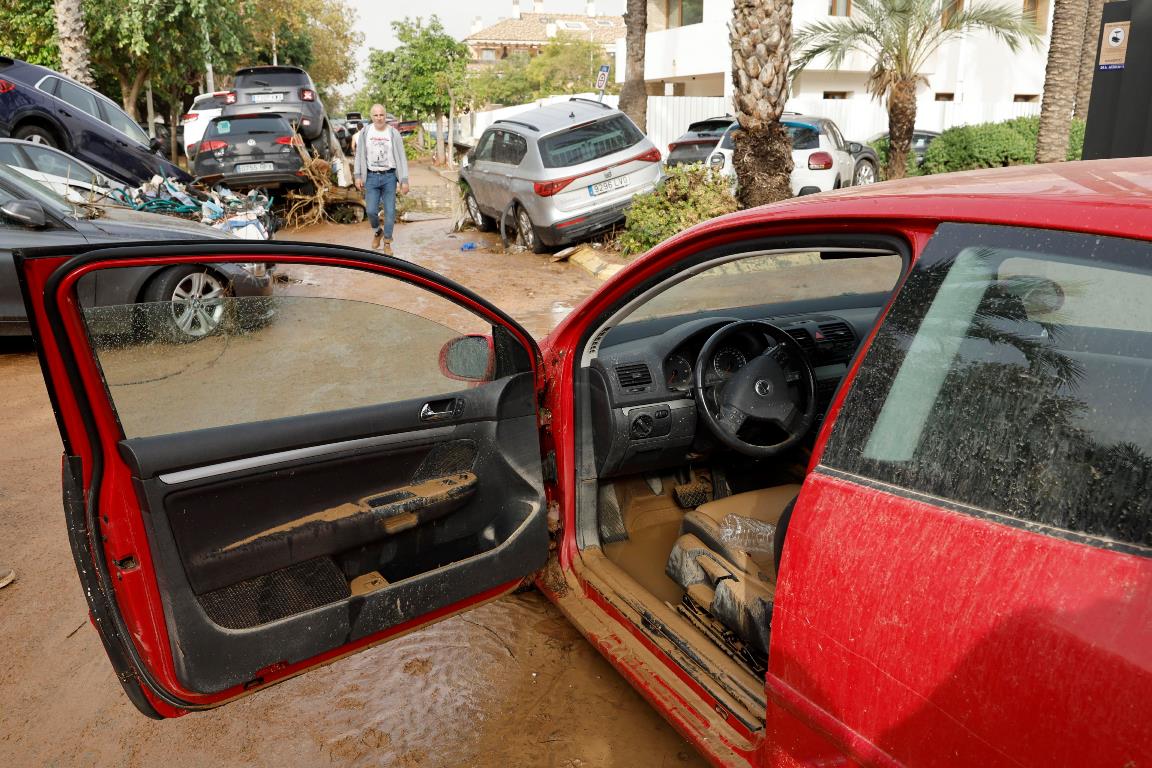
(509, 683)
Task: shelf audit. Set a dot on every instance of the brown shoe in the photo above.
(377, 236)
(386, 248)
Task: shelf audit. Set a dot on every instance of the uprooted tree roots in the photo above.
(305, 209)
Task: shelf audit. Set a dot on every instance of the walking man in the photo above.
(380, 166)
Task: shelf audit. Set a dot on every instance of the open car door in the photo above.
(350, 459)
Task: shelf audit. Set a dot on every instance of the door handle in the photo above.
(439, 410)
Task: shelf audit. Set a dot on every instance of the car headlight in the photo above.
(255, 268)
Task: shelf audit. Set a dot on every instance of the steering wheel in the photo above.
(763, 390)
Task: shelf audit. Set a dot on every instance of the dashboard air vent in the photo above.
(633, 375)
(804, 339)
(837, 333)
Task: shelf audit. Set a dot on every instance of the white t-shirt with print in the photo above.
(379, 148)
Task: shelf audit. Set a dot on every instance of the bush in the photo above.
(992, 145)
(912, 168)
(689, 194)
(413, 151)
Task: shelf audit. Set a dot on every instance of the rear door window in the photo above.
(1013, 378)
(803, 136)
(508, 148)
(273, 80)
(78, 97)
(590, 141)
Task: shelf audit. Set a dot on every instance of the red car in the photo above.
(856, 479)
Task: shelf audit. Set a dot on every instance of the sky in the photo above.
(376, 16)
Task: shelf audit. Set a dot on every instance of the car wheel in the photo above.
(528, 237)
(37, 135)
(865, 173)
(482, 222)
(186, 304)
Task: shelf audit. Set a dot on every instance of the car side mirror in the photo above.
(468, 358)
(468, 158)
(27, 212)
(855, 147)
(154, 144)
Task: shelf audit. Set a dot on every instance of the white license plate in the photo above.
(260, 98)
(255, 167)
(601, 187)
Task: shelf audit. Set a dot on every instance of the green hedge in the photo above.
(689, 194)
(992, 145)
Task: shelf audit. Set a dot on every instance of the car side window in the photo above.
(124, 124)
(509, 148)
(484, 148)
(330, 339)
(10, 155)
(57, 164)
(78, 97)
(1011, 377)
(834, 134)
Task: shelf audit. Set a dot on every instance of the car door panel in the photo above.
(237, 555)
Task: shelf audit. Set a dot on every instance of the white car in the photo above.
(204, 107)
(822, 159)
(65, 175)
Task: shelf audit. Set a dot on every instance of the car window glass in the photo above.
(208, 102)
(273, 80)
(759, 279)
(249, 125)
(803, 136)
(592, 141)
(1007, 377)
(728, 140)
(124, 124)
(508, 148)
(78, 97)
(834, 134)
(10, 155)
(330, 339)
(484, 148)
(57, 164)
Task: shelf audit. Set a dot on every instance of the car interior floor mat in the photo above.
(653, 525)
(609, 516)
(697, 491)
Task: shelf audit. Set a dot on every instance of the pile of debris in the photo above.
(245, 216)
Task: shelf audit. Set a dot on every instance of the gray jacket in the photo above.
(399, 159)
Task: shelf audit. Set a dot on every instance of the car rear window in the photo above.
(710, 127)
(590, 141)
(249, 125)
(209, 102)
(803, 137)
(272, 79)
(691, 152)
(1011, 376)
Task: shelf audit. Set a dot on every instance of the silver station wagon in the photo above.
(560, 172)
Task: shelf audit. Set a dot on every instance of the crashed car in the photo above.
(856, 479)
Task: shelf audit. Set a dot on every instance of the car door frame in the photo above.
(90, 432)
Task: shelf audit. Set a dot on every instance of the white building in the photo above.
(975, 79)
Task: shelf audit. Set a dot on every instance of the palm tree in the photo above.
(1060, 80)
(634, 95)
(74, 60)
(761, 39)
(901, 35)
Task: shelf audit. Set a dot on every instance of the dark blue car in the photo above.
(40, 105)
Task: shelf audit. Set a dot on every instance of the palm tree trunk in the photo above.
(1088, 55)
(901, 125)
(761, 39)
(634, 95)
(74, 60)
(1060, 78)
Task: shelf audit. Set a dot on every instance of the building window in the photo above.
(573, 25)
(488, 54)
(951, 8)
(837, 95)
(945, 97)
(1026, 98)
(840, 8)
(681, 13)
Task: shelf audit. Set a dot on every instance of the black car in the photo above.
(284, 90)
(698, 142)
(33, 216)
(40, 105)
(261, 150)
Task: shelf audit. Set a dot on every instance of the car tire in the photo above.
(482, 222)
(864, 174)
(527, 231)
(37, 135)
(186, 304)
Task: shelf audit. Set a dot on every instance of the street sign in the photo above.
(602, 78)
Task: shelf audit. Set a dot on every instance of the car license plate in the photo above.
(601, 187)
(260, 98)
(255, 167)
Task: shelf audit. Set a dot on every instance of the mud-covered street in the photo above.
(510, 683)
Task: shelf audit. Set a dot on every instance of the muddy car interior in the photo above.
(682, 510)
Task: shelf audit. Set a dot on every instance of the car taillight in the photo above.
(819, 161)
(6, 86)
(212, 146)
(289, 140)
(230, 97)
(549, 188)
(716, 161)
(672, 147)
(651, 156)
(188, 117)
(307, 94)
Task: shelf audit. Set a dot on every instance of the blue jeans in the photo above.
(377, 187)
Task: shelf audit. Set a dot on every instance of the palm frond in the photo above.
(834, 39)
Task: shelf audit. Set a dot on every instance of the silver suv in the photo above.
(284, 90)
(559, 172)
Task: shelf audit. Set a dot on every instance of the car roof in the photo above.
(1108, 197)
(550, 118)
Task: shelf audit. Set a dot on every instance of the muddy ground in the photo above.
(510, 683)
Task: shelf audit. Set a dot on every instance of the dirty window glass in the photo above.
(1013, 375)
(775, 278)
(327, 339)
(592, 141)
